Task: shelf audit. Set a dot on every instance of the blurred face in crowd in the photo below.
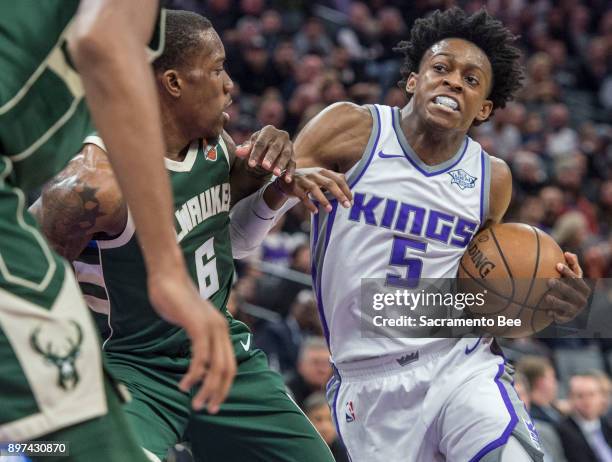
(546, 386)
(458, 72)
(271, 112)
(558, 116)
(304, 310)
(552, 200)
(200, 90)
(271, 22)
(605, 195)
(284, 54)
(322, 420)
(586, 397)
(314, 367)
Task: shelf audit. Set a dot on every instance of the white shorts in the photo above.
(456, 404)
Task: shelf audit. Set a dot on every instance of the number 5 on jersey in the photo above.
(414, 265)
(206, 268)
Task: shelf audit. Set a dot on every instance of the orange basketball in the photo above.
(510, 265)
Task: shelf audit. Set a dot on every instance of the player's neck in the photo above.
(176, 138)
(433, 146)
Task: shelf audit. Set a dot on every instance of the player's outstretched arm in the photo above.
(334, 139)
(81, 201)
(108, 48)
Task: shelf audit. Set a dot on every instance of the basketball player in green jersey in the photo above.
(55, 56)
(84, 215)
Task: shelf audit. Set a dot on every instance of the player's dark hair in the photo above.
(487, 33)
(184, 30)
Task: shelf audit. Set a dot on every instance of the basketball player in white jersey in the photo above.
(421, 189)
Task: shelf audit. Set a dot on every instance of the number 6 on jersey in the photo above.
(206, 268)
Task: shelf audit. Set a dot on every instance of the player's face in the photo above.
(452, 85)
(206, 93)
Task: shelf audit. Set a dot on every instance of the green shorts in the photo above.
(257, 422)
(52, 385)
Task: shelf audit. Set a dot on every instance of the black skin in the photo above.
(336, 138)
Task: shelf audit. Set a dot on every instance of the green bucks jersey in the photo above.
(112, 273)
(43, 115)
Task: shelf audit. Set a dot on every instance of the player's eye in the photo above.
(439, 67)
(473, 81)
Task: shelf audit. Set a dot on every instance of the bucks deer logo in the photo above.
(68, 375)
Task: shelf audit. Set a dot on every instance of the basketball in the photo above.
(510, 265)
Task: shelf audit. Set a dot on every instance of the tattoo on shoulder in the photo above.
(69, 218)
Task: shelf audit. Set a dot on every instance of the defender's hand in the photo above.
(311, 183)
(569, 295)
(270, 149)
(212, 356)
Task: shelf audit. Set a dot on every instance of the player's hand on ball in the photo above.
(212, 356)
(311, 183)
(270, 149)
(568, 295)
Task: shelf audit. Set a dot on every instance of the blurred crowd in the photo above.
(289, 59)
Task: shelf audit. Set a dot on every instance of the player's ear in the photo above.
(171, 83)
(485, 110)
(411, 82)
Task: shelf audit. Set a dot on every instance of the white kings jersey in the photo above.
(409, 220)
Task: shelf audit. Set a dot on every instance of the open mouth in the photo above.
(446, 102)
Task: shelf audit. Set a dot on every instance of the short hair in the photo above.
(487, 33)
(311, 343)
(183, 39)
(533, 368)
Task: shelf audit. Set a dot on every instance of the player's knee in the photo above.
(515, 452)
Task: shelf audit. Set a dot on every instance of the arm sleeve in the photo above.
(250, 221)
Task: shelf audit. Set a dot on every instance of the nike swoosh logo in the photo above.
(469, 350)
(246, 345)
(382, 155)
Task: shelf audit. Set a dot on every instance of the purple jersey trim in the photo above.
(336, 421)
(482, 186)
(317, 277)
(503, 439)
(415, 165)
(372, 151)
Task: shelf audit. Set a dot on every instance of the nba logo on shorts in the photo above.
(211, 154)
(350, 412)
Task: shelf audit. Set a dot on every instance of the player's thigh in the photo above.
(50, 360)
(482, 414)
(103, 439)
(158, 411)
(258, 422)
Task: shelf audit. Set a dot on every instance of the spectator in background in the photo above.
(542, 382)
(312, 39)
(586, 437)
(548, 436)
(317, 410)
(552, 199)
(360, 36)
(561, 139)
(571, 231)
(282, 340)
(605, 208)
(313, 370)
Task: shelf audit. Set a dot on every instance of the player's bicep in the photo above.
(500, 191)
(79, 202)
(334, 139)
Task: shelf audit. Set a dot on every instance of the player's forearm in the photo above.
(252, 218)
(126, 113)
